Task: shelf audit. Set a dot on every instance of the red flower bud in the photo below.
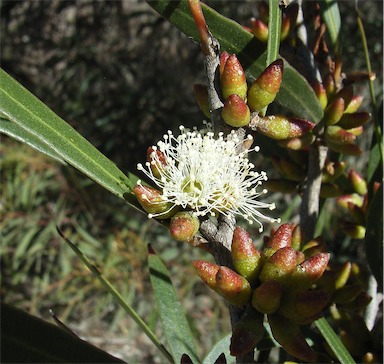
(265, 88)
(183, 226)
(259, 30)
(233, 79)
(235, 112)
(157, 161)
(245, 256)
(207, 272)
(223, 60)
(281, 238)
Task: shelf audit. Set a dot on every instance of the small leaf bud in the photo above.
(337, 135)
(235, 111)
(354, 104)
(354, 198)
(265, 88)
(358, 183)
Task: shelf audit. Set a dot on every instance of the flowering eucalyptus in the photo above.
(207, 175)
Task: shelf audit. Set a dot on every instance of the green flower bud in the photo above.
(233, 79)
(266, 298)
(337, 135)
(235, 111)
(279, 127)
(343, 275)
(334, 111)
(232, 286)
(354, 104)
(259, 30)
(245, 257)
(183, 226)
(265, 88)
(354, 198)
(289, 336)
(358, 183)
(151, 201)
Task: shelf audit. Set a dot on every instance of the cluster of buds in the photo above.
(259, 26)
(349, 304)
(343, 123)
(355, 204)
(280, 281)
(245, 106)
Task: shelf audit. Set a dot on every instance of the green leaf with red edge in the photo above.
(295, 93)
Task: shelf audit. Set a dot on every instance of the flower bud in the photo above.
(233, 78)
(279, 127)
(232, 286)
(298, 143)
(281, 238)
(279, 266)
(265, 88)
(332, 171)
(346, 149)
(289, 336)
(157, 160)
(246, 333)
(280, 185)
(354, 198)
(358, 183)
(329, 85)
(235, 111)
(297, 237)
(354, 104)
(303, 307)
(267, 297)
(223, 60)
(259, 30)
(354, 231)
(152, 202)
(353, 120)
(308, 272)
(183, 226)
(207, 272)
(337, 135)
(201, 95)
(334, 111)
(245, 257)
(343, 275)
(285, 27)
(321, 94)
(330, 190)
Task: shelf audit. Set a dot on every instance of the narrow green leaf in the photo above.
(122, 302)
(334, 342)
(374, 236)
(220, 347)
(15, 131)
(175, 324)
(21, 107)
(28, 339)
(295, 93)
(274, 31)
(331, 15)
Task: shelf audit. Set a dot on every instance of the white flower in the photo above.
(207, 175)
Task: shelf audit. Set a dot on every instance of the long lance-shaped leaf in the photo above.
(334, 342)
(331, 15)
(295, 92)
(19, 106)
(274, 30)
(122, 302)
(175, 324)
